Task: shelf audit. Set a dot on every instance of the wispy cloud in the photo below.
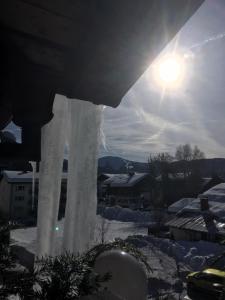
(144, 124)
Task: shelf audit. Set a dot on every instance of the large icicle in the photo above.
(84, 128)
(52, 154)
(33, 164)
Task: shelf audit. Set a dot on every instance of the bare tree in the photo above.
(159, 169)
(187, 153)
(103, 229)
(159, 164)
(197, 153)
(184, 152)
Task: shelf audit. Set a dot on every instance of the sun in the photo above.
(169, 71)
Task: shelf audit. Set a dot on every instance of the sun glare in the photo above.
(169, 71)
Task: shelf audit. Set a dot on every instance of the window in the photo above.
(20, 187)
(19, 198)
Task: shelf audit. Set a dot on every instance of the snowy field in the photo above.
(27, 237)
(170, 261)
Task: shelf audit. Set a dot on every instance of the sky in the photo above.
(149, 121)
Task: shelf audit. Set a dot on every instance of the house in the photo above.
(207, 187)
(180, 191)
(128, 190)
(101, 188)
(16, 200)
(195, 227)
(202, 218)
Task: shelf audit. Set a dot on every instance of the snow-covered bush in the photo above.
(197, 262)
(195, 254)
(190, 254)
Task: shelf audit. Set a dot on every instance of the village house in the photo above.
(197, 227)
(16, 200)
(206, 185)
(128, 190)
(101, 187)
(202, 218)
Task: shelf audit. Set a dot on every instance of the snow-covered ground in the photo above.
(113, 229)
(170, 261)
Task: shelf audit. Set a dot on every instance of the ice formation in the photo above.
(52, 153)
(83, 140)
(81, 122)
(33, 164)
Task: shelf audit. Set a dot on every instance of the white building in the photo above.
(16, 202)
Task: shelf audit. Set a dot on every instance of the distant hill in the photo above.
(113, 164)
(208, 167)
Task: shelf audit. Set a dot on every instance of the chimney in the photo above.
(204, 203)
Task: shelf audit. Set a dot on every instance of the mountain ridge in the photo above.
(115, 164)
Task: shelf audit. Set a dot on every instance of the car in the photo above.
(209, 281)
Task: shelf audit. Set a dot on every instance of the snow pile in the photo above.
(196, 254)
(126, 215)
(198, 262)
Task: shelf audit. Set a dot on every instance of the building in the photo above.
(128, 190)
(189, 194)
(101, 187)
(202, 218)
(16, 200)
(195, 227)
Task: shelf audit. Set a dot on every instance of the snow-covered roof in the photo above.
(125, 180)
(216, 193)
(17, 176)
(216, 197)
(21, 177)
(217, 208)
(180, 204)
(104, 176)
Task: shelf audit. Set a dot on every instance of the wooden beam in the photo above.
(36, 21)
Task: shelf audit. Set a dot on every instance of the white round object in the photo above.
(128, 281)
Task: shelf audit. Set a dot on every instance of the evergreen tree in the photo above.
(7, 260)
